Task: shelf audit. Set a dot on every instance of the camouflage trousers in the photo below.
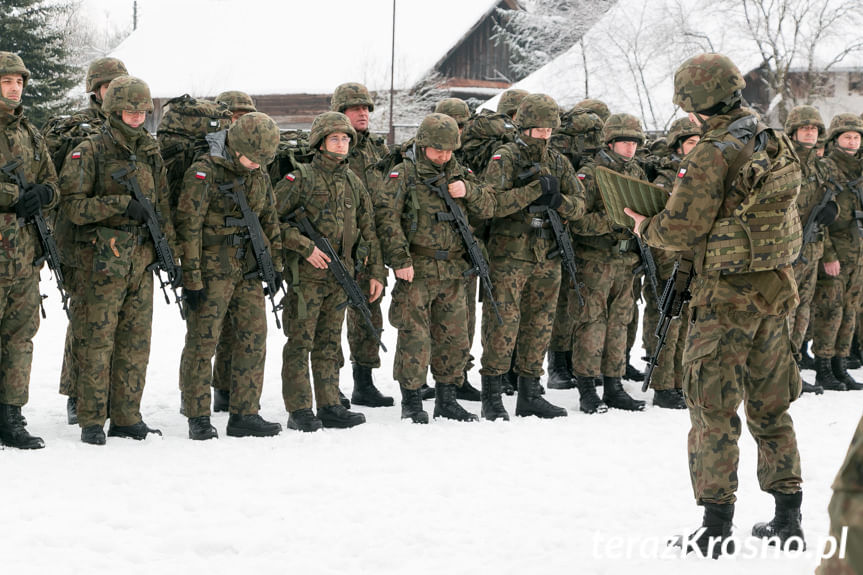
(806, 275)
(649, 319)
(527, 293)
(68, 371)
(431, 316)
(238, 303)
(364, 349)
(835, 307)
(733, 357)
(471, 286)
(599, 334)
(314, 331)
(632, 326)
(224, 352)
(561, 331)
(19, 322)
(668, 373)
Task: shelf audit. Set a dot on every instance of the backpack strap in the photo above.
(743, 157)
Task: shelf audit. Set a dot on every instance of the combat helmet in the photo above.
(256, 136)
(680, 130)
(842, 123)
(598, 107)
(351, 94)
(622, 127)
(707, 81)
(127, 93)
(438, 131)
(509, 101)
(11, 63)
(800, 116)
(455, 108)
(237, 101)
(537, 111)
(103, 70)
(327, 123)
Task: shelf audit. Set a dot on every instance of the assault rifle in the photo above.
(50, 254)
(356, 298)
(812, 227)
(164, 255)
(456, 216)
(264, 270)
(674, 297)
(648, 265)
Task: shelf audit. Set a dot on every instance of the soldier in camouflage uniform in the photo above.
(526, 281)
(510, 100)
(217, 260)
(19, 245)
(598, 107)
(109, 250)
(840, 277)
(239, 103)
(337, 204)
(353, 100)
(607, 256)
(738, 348)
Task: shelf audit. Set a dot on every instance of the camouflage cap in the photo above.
(438, 131)
(455, 108)
(327, 123)
(680, 130)
(537, 111)
(11, 63)
(620, 127)
(598, 107)
(256, 136)
(842, 123)
(103, 70)
(509, 101)
(706, 80)
(237, 101)
(351, 94)
(800, 116)
(127, 93)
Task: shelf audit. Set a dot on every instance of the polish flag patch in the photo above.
(200, 175)
(469, 171)
(394, 174)
(496, 157)
(290, 177)
(76, 155)
(581, 176)
(681, 173)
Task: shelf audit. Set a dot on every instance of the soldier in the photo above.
(607, 256)
(338, 206)
(525, 279)
(510, 100)
(598, 107)
(239, 103)
(110, 251)
(738, 347)
(219, 279)
(804, 126)
(840, 277)
(353, 100)
(20, 144)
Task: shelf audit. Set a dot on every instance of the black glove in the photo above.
(194, 298)
(828, 214)
(550, 193)
(136, 211)
(32, 199)
(549, 185)
(178, 277)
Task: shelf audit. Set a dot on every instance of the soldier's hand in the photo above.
(832, 269)
(136, 211)
(638, 219)
(406, 274)
(457, 189)
(318, 259)
(194, 298)
(177, 282)
(828, 214)
(28, 205)
(43, 191)
(376, 288)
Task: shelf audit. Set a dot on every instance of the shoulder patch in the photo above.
(496, 157)
(469, 171)
(201, 175)
(290, 177)
(581, 176)
(394, 174)
(681, 173)
(76, 155)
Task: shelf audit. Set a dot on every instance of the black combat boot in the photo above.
(589, 401)
(824, 375)
(559, 371)
(304, 420)
(346, 403)
(13, 429)
(615, 396)
(467, 392)
(492, 403)
(531, 402)
(715, 530)
(509, 382)
(426, 391)
(412, 406)
(221, 400)
(137, 431)
(632, 373)
(840, 370)
(93, 434)
(446, 406)
(337, 416)
(200, 428)
(668, 399)
(785, 524)
(365, 392)
(806, 360)
(806, 387)
(72, 410)
(252, 425)
(854, 359)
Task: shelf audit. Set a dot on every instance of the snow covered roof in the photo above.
(273, 47)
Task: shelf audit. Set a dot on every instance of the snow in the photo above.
(527, 496)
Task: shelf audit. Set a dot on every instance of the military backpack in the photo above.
(579, 135)
(294, 149)
(64, 133)
(482, 135)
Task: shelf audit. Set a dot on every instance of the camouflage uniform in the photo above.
(19, 245)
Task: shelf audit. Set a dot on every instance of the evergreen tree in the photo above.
(34, 29)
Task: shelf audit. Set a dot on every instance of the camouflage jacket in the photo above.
(697, 200)
(669, 168)
(363, 156)
(512, 232)
(843, 242)
(812, 190)
(328, 191)
(596, 238)
(202, 209)
(63, 133)
(19, 242)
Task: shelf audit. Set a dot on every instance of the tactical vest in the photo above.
(764, 232)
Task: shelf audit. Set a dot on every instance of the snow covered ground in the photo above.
(584, 494)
